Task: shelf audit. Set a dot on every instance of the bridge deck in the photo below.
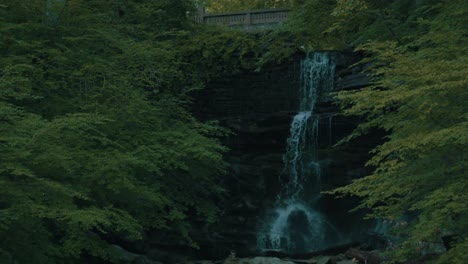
(245, 18)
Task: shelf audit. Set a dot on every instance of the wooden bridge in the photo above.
(245, 19)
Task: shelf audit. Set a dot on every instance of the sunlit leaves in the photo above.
(419, 98)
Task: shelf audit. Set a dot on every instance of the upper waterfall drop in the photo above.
(317, 78)
(295, 224)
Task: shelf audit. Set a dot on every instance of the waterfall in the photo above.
(294, 224)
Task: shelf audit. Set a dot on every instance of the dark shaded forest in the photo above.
(100, 149)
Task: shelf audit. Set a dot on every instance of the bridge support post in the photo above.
(248, 19)
(201, 14)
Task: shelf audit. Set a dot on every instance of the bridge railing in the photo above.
(245, 18)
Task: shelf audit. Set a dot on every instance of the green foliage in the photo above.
(306, 29)
(455, 255)
(419, 98)
(95, 138)
(310, 22)
(217, 51)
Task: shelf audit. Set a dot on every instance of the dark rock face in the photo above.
(250, 95)
(258, 107)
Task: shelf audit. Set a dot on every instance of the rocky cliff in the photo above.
(257, 107)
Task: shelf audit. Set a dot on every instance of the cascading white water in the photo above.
(294, 224)
(296, 146)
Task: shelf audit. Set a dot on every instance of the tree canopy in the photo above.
(97, 146)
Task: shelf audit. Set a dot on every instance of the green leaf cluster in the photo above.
(419, 98)
(307, 28)
(97, 145)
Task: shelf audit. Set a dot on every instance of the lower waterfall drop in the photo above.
(294, 225)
